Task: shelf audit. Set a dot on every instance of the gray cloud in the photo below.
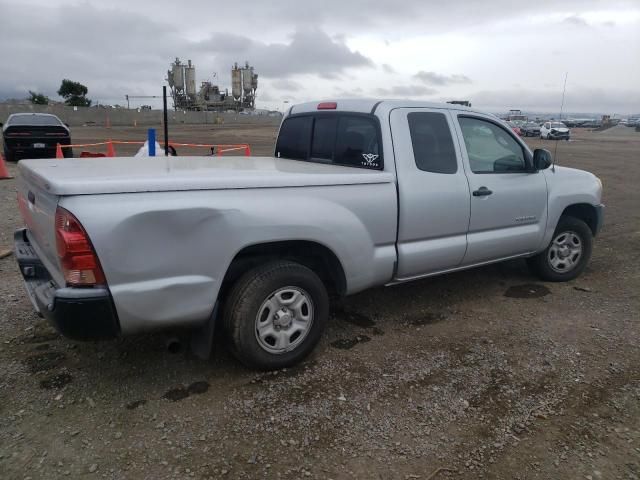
(309, 51)
(386, 68)
(261, 17)
(118, 48)
(287, 85)
(576, 20)
(433, 78)
(406, 91)
(114, 53)
(577, 99)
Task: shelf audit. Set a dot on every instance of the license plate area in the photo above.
(38, 145)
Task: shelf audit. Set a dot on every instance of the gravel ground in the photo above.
(487, 373)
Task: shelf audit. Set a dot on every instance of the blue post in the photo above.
(151, 137)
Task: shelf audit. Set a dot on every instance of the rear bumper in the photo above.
(78, 313)
(560, 136)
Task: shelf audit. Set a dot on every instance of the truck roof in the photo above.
(367, 105)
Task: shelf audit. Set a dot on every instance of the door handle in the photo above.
(481, 192)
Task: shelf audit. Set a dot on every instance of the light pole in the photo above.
(284, 103)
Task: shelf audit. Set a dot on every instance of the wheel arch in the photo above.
(315, 256)
(585, 212)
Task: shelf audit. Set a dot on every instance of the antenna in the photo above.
(555, 150)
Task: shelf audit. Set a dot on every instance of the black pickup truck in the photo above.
(34, 135)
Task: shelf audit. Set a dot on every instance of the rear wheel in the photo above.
(275, 315)
(568, 253)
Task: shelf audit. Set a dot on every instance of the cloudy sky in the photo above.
(499, 54)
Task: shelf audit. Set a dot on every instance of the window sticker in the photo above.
(370, 160)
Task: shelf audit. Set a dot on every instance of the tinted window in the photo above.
(357, 142)
(490, 148)
(343, 139)
(294, 137)
(34, 120)
(324, 137)
(432, 142)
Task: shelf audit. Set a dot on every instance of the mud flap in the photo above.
(202, 338)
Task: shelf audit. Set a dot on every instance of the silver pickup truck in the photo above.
(358, 194)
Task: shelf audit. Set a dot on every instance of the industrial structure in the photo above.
(182, 82)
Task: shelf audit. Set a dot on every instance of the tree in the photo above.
(74, 93)
(38, 98)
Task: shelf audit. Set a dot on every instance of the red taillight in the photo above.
(327, 106)
(79, 261)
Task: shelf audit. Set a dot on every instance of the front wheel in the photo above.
(275, 315)
(568, 253)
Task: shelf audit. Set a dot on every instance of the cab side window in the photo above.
(357, 142)
(490, 148)
(433, 148)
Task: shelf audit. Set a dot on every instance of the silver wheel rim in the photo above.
(565, 252)
(284, 320)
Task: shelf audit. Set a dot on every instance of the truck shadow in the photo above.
(142, 368)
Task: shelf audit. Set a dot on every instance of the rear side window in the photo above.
(293, 139)
(343, 139)
(433, 148)
(357, 143)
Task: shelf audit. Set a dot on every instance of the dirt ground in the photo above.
(488, 373)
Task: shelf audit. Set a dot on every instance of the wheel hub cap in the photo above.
(565, 252)
(284, 320)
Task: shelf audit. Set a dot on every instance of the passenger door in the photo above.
(433, 192)
(508, 199)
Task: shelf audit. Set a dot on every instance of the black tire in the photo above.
(244, 303)
(541, 264)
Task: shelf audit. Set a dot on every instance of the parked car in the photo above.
(555, 131)
(256, 246)
(530, 129)
(34, 135)
(592, 124)
(515, 128)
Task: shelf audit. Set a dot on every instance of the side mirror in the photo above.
(1, 124)
(541, 159)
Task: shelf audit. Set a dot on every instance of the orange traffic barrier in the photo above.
(84, 154)
(110, 151)
(219, 148)
(4, 173)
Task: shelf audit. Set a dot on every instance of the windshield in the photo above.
(558, 125)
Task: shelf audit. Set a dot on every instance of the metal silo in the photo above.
(178, 75)
(247, 78)
(190, 79)
(236, 82)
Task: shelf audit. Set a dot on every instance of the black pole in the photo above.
(166, 125)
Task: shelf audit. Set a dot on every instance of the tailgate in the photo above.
(38, 210)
